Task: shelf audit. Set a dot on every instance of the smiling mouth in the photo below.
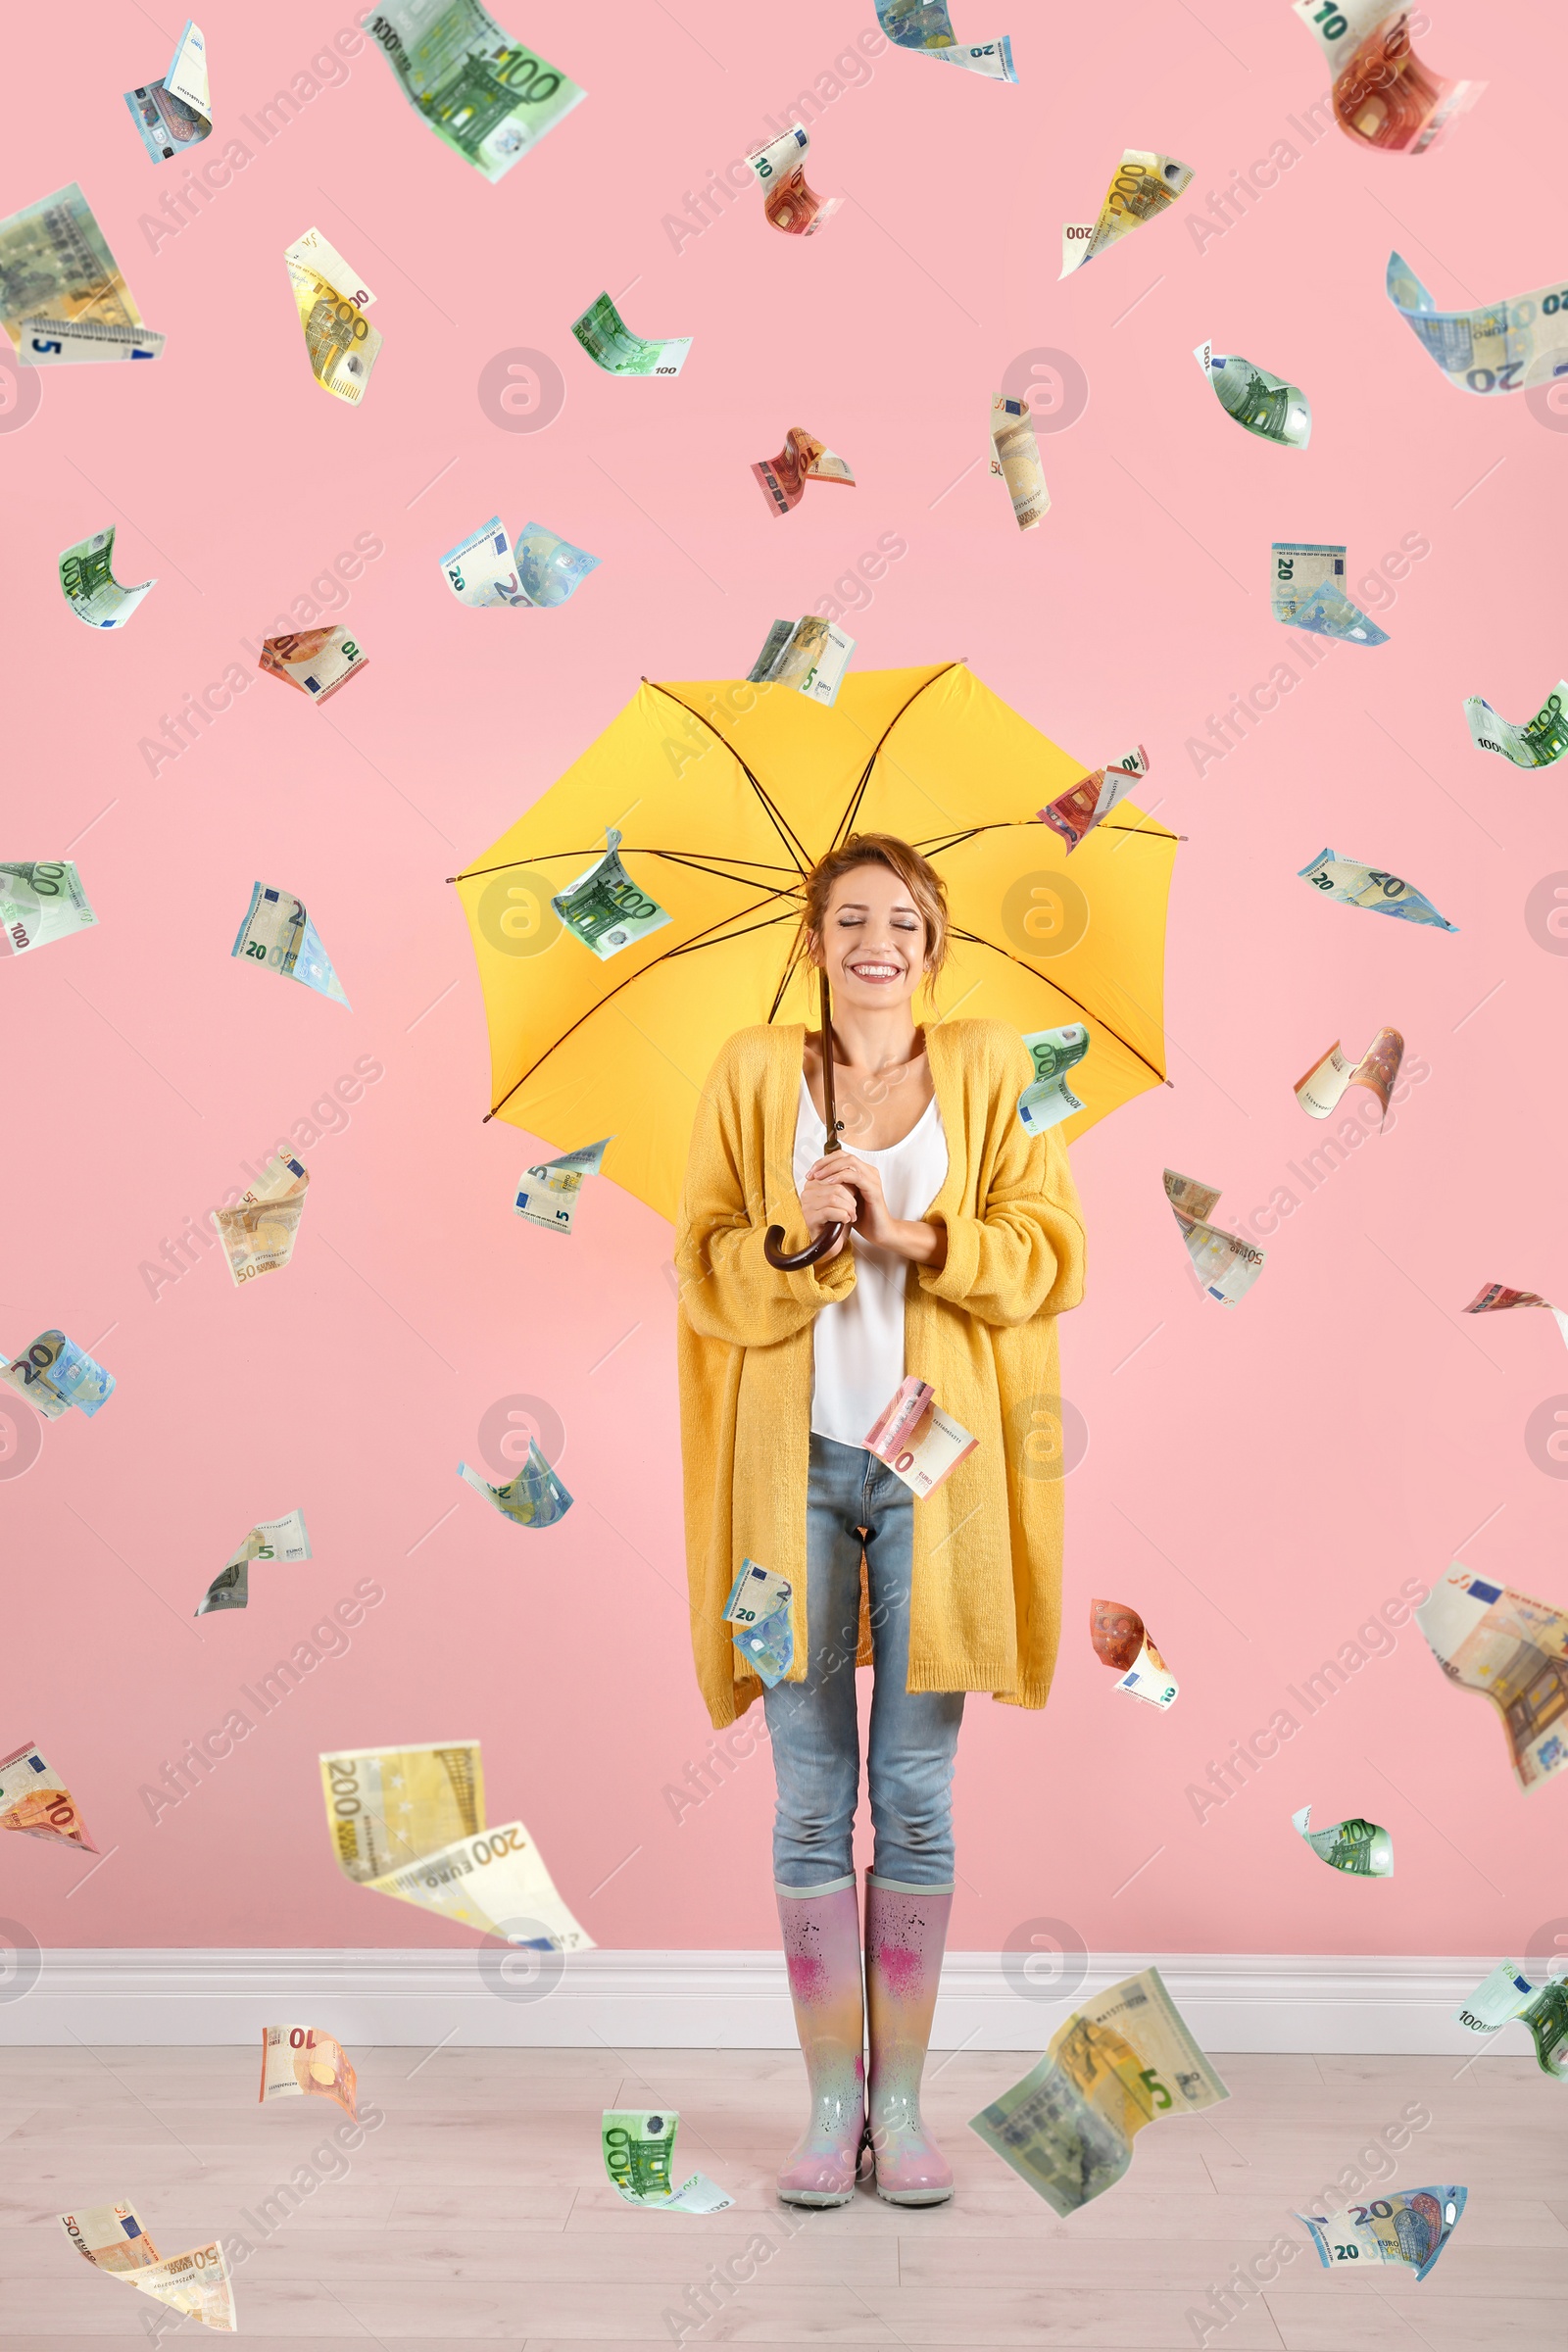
(876, 971)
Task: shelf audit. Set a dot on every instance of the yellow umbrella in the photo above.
(724, 793)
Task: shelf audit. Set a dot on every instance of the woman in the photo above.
(963, 1243)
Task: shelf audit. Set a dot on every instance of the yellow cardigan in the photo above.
(987, 1589)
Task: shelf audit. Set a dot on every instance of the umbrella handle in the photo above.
(791, 1261)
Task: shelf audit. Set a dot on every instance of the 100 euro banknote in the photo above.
(1048, 1099)
(88, 584)
(604, 907)
(41, 901)
(638, 2144)
(612, 345)
(486, 95)
(1538, 742)
(1538, 2001)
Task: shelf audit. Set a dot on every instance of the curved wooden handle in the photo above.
(774, 1239)
(791, 1261)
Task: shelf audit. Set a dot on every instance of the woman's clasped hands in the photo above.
(842, 1190)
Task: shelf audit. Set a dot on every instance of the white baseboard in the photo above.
(688, 2000)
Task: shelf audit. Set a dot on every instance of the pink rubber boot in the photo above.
(823, 1952)
(905, 1930)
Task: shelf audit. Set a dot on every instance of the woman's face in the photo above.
(872, 941)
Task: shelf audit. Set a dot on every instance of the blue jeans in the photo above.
(813, 1725)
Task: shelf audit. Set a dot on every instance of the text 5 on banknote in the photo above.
(1121, 2061)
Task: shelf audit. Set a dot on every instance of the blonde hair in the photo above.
(919, 877)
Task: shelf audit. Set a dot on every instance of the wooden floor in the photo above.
(478, 2213)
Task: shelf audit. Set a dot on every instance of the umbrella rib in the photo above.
(795, 952)
(781, 825)
(859, 794)
(976, 941)
(475, 873)
(709, 939)
(936, 842)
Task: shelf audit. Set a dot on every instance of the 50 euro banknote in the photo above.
(257, 1233)
(1225, 1264)
(1513, 1650)
(115, 2240)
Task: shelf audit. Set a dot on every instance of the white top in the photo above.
(857, 1342)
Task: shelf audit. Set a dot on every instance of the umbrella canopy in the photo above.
(724, 793)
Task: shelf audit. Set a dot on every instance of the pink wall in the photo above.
(1255, 1482)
